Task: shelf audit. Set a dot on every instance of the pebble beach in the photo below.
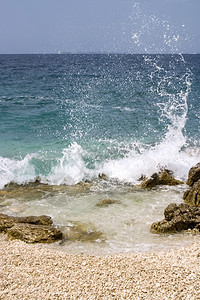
(34, 272)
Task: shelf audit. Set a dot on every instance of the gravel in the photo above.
(34, 272)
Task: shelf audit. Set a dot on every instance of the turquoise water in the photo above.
(68, 118)
(99, 108)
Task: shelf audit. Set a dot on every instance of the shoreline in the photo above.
(31, 271)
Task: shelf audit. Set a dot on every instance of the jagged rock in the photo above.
(81, 232)
(151, 182)
(193, 175)
(107, 202)
(192, 196)
(103, 176)
(31, 229)
(162, 178)
(177, 218)
(166, 178)
(30, 233)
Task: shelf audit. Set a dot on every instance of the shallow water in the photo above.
(125, 225)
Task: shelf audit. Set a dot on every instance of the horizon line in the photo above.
(100, 53)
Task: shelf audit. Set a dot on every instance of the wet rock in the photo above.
(31, 229)
(177, 218)
(107, 202)
(151, 182)
(143, 178)
(164, 177)
(192, 196)
(36, 190)
(81, 232)
(193, 175)
(30, 233)
(103, 176)
(9, 221)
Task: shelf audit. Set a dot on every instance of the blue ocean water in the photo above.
(68, 118)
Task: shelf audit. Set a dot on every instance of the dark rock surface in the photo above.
(194, 174)
(164, 177)
(177, 218)
(192, 196)
(30, 229)
(30, 233)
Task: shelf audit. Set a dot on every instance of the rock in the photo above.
(30, 233)
(151, 182)
(36, 190)
(177, 218)
(9, 221)
(31, 229)
(107, 202)
(193, 175)
(192, 196)
(164, 177)
(81, 232)
(103, 176)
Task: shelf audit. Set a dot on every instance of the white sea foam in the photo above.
(19, 171)
(70, 168)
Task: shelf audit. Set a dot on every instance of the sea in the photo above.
(88, 127)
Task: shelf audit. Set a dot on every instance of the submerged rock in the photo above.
(177, 218)
(31, 229)
(107, 202)
(81, 232)
(36, 189)
(164, 177)
(193, 175)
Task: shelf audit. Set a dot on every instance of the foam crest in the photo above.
(19, 171)
(70, 168)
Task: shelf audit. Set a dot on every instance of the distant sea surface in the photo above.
(68, 118)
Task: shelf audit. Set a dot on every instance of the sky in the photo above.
(106, 26)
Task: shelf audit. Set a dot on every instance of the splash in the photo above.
(19, 171)
(70, 168)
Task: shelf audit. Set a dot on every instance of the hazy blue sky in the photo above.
(143, 26)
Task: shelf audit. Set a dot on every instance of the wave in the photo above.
(71, 166)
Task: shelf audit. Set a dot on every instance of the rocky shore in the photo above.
(30, 271)
(185, 215)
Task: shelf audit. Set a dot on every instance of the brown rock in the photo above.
(164, 177)
(30, 229)
(151, 182)
(177, 218)
(107, 202)
(103, 176)
(193, 175)
(81, 232)
(36, 189)
(9, 221)
(192, 196)
(30, 233)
